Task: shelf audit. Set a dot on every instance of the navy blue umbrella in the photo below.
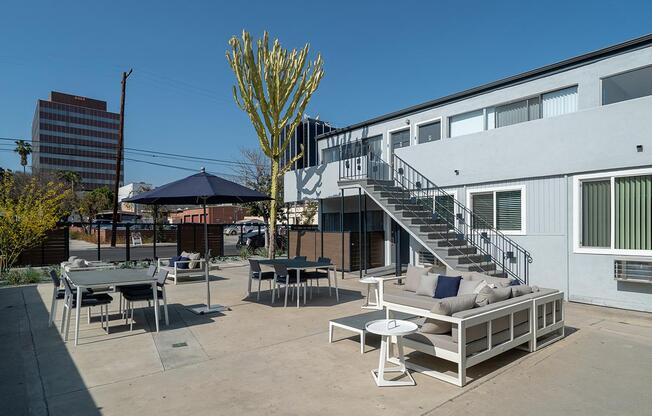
(200, 189)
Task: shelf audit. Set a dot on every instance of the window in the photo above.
(500, 209)
(627, 86)
(559, 102)
(467, 123)
(374, 146)
(517, 112)
(400, 139)
(429, 132)
(614, 213)
(331, 154)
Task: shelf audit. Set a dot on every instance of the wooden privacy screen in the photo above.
(53, 250)
(190, 237)
(308, 243)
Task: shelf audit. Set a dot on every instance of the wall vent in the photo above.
(633, 270)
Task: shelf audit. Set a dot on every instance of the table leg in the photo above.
(78, 308)
(337, 292)
(155, 292)
(249, 282)
(298, 280)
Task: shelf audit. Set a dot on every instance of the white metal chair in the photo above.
(288, 280)
(256, 273)
(141, 295)
(87, 301)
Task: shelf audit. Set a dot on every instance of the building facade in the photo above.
(73, 133)
(556, 162)
(304, 135)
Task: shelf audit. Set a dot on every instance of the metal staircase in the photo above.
(455, 235)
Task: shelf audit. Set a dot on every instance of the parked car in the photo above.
(254, 239)
(234, 229)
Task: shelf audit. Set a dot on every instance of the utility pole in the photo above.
(118, 158)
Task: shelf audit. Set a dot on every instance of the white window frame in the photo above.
(389, 132)
(432, 120)
(577, 210)
(494, 189)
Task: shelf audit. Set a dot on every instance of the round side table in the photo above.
(391, 328)
(371, 281)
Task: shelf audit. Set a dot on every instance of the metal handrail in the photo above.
(512, 259)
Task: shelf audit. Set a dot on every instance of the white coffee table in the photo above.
(391, 328)
(371, 281)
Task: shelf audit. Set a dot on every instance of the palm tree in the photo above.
(23, 149)
(72, 177)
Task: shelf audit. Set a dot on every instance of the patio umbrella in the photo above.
(200, 189)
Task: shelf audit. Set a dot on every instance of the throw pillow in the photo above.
(193, 260)
(173, 260)
(447, 286)
(514, 282)
(488, 295)
(500, 294)
(483, 296)
(467, 286)
(427, 284)
(413, 277)
(180, 265)
(520, 290)
(185, 254)
(446, 307)
(479, 287)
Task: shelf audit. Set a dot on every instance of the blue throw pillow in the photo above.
(447, 286)
(172, 260)
(514, 282)
(182, 265)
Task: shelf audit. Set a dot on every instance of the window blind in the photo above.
(483, 208)
(596, 213)
(508, 210)
(559, 102)
(633, 204)
(467, 123)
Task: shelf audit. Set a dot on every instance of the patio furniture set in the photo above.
(480, 317)
(88, 287)
(291, 275)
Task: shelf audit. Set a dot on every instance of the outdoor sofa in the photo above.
(530, 317)
(193, 266)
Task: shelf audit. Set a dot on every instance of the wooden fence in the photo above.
(52, 251)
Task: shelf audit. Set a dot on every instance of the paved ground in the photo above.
(262, 359)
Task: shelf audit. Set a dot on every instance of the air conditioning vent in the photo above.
(633, 270)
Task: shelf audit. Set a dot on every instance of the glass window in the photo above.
(559, 102)
(331, 154)
(627, 86)
(517, 112)
(429, 132)
(467, 123)
(596, 213)
(508, 210)
(400, 139)
(374, 146)
(483, 210)
(633, 216)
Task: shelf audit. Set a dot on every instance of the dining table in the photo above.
(298, 265)
(99, 278)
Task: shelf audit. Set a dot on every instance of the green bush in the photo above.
(23, 276)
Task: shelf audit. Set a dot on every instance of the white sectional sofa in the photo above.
(530, 318)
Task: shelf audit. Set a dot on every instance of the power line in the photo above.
(178, 167)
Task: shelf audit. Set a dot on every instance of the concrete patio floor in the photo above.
(263, 359)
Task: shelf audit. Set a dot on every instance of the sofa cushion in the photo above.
(446, 307)
(480, 286)
(467, 286)
(489, 295)
(520, 290)
(413, 277)
(181, 263)
(410, 299)
(193, 257)
(447, 286)
(173, 260)
(427, 284)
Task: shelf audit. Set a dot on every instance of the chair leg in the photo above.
(68, 320)
(286, 296)
(63, 314)
(89, 315)
(106, 317)
(53, 308)
(165, 306)
(131, 324)
(258, 294)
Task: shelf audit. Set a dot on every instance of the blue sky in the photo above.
(379, 57)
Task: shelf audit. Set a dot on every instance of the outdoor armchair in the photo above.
(88, 300)
(132, 295)
(255, 272)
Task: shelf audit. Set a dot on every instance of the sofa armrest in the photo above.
(163, 261)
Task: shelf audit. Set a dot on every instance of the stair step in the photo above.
(467, 259)
(457, 251)
(450, 243)
(440, 233)
(475, 267)
(414, 214)
(393, 194)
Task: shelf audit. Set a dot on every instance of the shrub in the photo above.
(23, 276)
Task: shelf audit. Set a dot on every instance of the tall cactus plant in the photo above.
(273, 86)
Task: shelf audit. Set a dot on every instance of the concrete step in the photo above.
(467, 259)
(449, 243)
(478, 267)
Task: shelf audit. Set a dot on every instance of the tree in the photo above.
(274, 86)
(23, 149)
(71, 177)
(99, 199)
(254, 172)
(27, 213)
(308, 213)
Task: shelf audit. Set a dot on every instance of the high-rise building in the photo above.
(73, 133)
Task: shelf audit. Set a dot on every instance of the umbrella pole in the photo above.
(208, 308)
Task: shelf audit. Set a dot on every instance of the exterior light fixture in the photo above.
(457, 172)
(639, 148)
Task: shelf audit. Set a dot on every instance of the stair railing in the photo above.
(418, 194)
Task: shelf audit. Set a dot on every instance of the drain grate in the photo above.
(179, 345)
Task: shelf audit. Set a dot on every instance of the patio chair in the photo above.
(300, 258)
(287, 278)
(317, 274)
(88, 300)
(256, 273)
(141, 295)
(151, 271)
